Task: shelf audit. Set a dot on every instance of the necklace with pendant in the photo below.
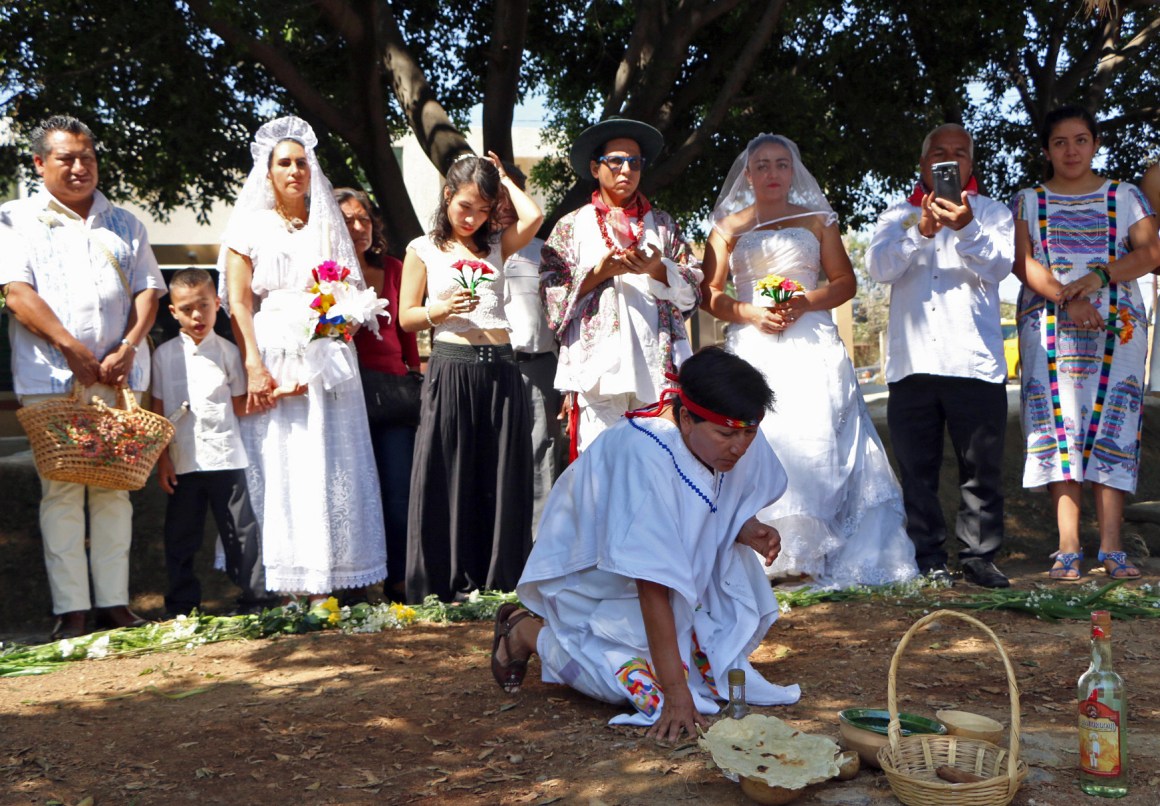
(293, 223)
(636, 236)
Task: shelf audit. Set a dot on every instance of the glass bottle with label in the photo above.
(1103, 728)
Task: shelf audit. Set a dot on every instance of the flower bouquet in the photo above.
(779, 289)
(472, 273)
(334, 309)
(337, 307)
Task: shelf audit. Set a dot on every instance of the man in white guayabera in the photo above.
(82, 286)
(944, 259)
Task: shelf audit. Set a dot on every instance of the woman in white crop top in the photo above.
(470, 517)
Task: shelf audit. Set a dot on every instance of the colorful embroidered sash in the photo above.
(1049, 331)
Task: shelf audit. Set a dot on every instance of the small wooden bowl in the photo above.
(972, 726)
(849, 763)
(759, 791)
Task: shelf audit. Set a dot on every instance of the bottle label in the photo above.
(1099, 738)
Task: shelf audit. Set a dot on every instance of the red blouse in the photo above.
(397, 350)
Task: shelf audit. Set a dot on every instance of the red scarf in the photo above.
(916, 196)
(618, 218)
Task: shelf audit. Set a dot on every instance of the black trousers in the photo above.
(974, 413)
(469, 522)
(226, 495)
(549, 444)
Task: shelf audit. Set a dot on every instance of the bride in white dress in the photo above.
(841, 520)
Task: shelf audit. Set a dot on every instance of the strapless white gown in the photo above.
(841, 520)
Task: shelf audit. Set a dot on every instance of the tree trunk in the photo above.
(437, 135)
(501, 87)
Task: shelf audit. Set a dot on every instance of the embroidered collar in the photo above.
(718, 478)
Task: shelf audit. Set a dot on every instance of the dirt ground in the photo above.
(413, 716)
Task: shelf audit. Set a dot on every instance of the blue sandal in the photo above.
(1123, 567)
(1068, 565)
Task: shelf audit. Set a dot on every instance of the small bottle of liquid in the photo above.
(737, 707)
(1103, 711)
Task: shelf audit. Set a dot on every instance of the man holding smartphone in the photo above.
(617, 281)
(944, 259)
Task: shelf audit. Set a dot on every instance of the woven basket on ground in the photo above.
(911, 762)
(93, 443)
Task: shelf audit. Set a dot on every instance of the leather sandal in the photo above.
(1068, 569)
(1122, 568)
(509, 676)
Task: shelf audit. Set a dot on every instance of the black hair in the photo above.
(1057, 116)
(377, 251)
(270, 159)
(192, 278)
(721, 382)
(38, 139)
(470, 170)
(765, 139)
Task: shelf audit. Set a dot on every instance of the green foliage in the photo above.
(138, 75)
(856, 85)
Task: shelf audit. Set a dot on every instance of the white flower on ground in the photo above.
(99, 648)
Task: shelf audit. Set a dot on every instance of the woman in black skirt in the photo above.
(469, 524)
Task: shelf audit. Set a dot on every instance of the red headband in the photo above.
(702, 412)
(714, 417)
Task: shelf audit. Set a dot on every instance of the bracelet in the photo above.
(1105, 278)
(427, 313)
(129, 344)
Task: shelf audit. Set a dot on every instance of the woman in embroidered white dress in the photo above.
(311, 475)
(841, 520)
(469, 523)
(1080, 243)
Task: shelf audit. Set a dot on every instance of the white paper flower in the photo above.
(98, 648)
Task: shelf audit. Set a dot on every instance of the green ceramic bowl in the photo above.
(877, 720)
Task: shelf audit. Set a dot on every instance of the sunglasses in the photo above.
(615, 163)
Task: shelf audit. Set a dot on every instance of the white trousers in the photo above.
(62, 528)
(600, 413)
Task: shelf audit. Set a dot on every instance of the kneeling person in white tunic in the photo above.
(642, 572)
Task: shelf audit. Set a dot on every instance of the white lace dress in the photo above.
(841, 519)
(312, 476)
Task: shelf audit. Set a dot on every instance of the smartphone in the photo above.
(946, 181)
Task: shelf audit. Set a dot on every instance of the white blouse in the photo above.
(442, 282)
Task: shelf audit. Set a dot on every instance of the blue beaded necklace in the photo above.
(677, 467)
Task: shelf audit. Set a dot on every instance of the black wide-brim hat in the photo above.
(649, 139)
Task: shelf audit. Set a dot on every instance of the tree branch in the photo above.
(343, 19)
(501, 85)
(312, 102)
(645, 29)
(670, 169)
(437, 135)
(1144, 114)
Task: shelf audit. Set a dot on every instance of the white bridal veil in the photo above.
(737, 192)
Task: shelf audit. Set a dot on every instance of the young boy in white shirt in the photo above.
(200, 385)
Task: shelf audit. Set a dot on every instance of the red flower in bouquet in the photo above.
(472, 273)
(777, 288)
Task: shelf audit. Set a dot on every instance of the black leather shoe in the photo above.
(110, 618)
(984, 572)
(70, 625)
(939, 575)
